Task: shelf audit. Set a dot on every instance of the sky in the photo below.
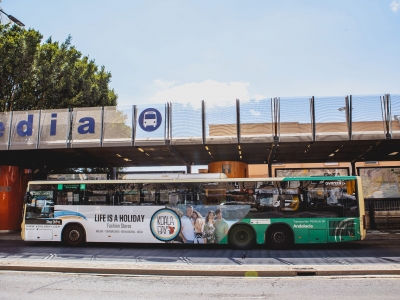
(186, 51)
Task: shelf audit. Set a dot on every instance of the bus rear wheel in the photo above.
(73, 235)
(279, 237)
(242, 237)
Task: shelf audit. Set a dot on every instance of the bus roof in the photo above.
(174, 176)
(196, 179)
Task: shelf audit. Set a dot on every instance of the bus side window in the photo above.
(173, 199)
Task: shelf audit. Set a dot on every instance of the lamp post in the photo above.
(14, 19)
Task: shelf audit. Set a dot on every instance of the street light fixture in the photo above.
(15, 20)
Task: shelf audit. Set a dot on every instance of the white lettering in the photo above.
(303, 226)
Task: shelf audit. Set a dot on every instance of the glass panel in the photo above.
(312, 172)
(41, 205)
(380, 182)
(186, 124)
(101, 197)
(330, 119)
(395, 104)
(255, 121)
(305, 199)
(54, 128)
(117, 126)
(221, 124)
(80, 176)
(5, 119)
(86, 127)
(367, 120)
(295, 119)
(24, 131)
(150, 125)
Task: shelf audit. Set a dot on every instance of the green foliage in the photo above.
(49, 75)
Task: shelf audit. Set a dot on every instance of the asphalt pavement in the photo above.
(381, 257)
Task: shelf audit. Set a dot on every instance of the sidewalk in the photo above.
(10, 235)
(180, 269)
(201, 270)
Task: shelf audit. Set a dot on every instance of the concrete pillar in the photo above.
(233, 169)
(13, 184)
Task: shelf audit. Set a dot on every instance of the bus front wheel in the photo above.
(242, 237)
(279, 237)
(73, 235)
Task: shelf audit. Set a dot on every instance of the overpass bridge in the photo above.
(278, 130)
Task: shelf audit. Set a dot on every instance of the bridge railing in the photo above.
(246, 121)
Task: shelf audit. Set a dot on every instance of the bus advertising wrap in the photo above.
(146, 224)
(241, 212)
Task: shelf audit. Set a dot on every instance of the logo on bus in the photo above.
(335, 183)
(165, 225)
(5, 188)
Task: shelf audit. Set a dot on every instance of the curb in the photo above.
(202, 270)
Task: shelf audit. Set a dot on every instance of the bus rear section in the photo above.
(278, 212)
(308, 211)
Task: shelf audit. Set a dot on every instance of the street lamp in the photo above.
(15, 20)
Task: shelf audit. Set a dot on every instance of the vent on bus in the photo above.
(342, 228)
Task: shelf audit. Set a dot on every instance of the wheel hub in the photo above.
(74, 235)
(242, 237)
(279, 237)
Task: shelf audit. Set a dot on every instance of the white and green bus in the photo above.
(200, 209)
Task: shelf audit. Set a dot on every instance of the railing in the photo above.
(383, 213)
(241, 121)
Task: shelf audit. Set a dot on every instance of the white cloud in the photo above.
(255, 113)
(395, 5)
(214, 93)
(258, 97)
(164, 84)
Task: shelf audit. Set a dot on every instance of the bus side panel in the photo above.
(120, 224)
(311, 231)
(42, 230)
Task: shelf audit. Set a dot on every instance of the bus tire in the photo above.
(279, 237)
(242, 237)
(73, 235)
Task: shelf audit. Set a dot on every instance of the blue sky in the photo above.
(187, 51)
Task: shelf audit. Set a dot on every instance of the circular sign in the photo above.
(150, 119)
(165, 224)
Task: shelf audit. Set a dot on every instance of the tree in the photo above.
(49, 75)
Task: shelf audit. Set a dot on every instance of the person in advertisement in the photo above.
(209, 229)
(187, 227)
(221, 226)
(198, 227)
